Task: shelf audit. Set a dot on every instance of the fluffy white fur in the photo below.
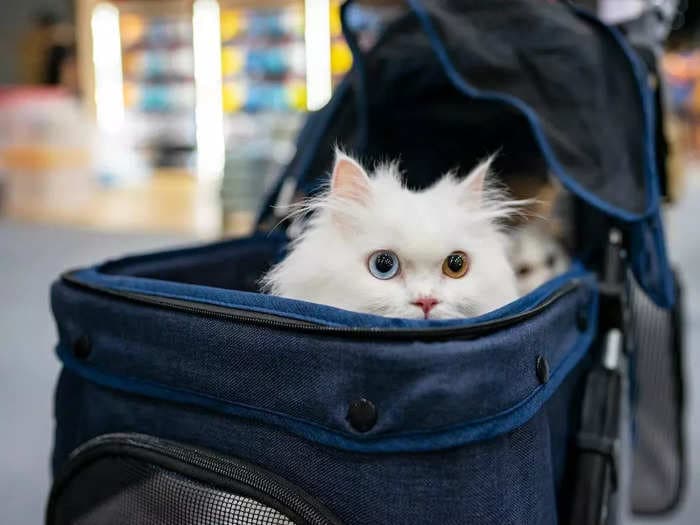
(361, 214)
(536, 255)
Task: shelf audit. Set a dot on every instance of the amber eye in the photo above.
(456, 265)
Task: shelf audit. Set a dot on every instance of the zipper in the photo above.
(232, 475)
(286, 323)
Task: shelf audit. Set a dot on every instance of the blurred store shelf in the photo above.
(57, 167)
(171, 201)
(188, 112)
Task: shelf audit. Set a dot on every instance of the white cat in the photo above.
(374, 246)
(536, 255)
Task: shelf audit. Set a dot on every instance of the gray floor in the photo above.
(32, 256)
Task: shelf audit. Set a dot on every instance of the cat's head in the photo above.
(536, 254)
(372, 245)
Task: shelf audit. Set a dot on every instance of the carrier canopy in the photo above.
(551, 89)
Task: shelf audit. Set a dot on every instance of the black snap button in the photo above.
(362, 415)
(542, 369)
(82, 347)
(582, 318)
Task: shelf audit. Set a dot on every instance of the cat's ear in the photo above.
(475, 183)
(349, 180)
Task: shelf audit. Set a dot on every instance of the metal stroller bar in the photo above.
(596, 490)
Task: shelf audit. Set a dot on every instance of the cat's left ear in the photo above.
(349, 180)
(473, 185)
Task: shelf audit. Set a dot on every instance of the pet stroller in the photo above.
(188, 397)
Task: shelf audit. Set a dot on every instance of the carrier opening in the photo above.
(539, 248)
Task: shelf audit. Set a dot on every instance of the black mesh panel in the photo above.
(120, 479)
(123, 490)
(658, 467)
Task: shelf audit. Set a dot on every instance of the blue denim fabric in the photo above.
(514, 478)
(430, 394)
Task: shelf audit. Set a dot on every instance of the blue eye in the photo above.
(383, 264)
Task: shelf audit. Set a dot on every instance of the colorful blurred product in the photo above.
(682, 72)
(683, 78)
(263, 59)
(158, 69)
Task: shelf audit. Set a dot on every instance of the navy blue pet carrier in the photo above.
(188, 397)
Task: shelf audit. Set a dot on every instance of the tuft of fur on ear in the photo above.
(349, 181)
(479, 181)
(345, 197)
(492, 198)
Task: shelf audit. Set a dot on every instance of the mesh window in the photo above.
(658, 465)
(128, 479)
(124, 490)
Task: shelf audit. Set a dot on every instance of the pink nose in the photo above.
(426, 304)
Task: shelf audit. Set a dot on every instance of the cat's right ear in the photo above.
(475, 182)
(349, 180)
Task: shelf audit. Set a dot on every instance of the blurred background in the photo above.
(176, 115)
(170, 115)
(137, 124)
